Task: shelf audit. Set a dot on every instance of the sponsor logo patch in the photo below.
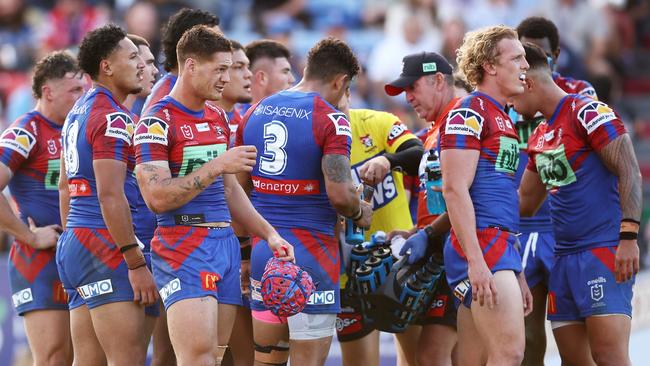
(256, 287)
(171, 287)
(322, 298)
(95, 289)
(341, 124)
(22, 297)
(429, 67)
(286, 187)
(594, 115)
(120, 126)
(209, 281)
(461, 290)
(151, 130)
(18, 140)
(464, 121)
(187, 132)
(438, 307)
(366, 141)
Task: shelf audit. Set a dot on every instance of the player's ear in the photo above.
(105, 67)
(46, 92)
(260, 77)
(340, 81)
(489, 68)
(189, 65)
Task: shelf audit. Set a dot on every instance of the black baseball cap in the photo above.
(415, 66)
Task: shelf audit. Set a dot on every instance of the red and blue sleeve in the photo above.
(600, 124)
(331, 129)
(110, 134)
(463, 128)
(17, 143)
(149, 144)
(239, 134)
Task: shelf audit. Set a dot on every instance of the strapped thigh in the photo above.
(274, 355)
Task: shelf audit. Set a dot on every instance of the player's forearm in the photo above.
(243, 212)
(117, 216)
(12, 224)
(441, 224)
(620, 159)
(163, 193)
(532, 194)
(463, 220)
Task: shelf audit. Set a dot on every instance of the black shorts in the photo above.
(443, 309)
(350, 325)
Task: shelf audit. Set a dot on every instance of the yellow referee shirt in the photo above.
(375, 133)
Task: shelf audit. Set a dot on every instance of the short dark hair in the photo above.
(201, 42)
(53, 66)
(331, 57)
(539, 28)
(236, 45)
(178, 24)
(266, 48)
(536, 57)
(97, 45)
(137, 40)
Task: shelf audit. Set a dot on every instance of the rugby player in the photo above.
(300, 182)
(583, 156)
(99, 261)
(537, 232)
(135, 101)
(185, 176)
(428, 83)
(382, 151)
(172, 32)
(542, 32)
(479, 156)
(30, 150)
(238, 90)
(269, 63)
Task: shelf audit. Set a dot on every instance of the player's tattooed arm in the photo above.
(339, 185)
(163, 193)
(619, 157)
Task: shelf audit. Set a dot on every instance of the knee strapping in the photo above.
(274, 355)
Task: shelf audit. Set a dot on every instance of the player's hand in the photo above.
(245, 277)
(281, 248)
(526, 295)
(366, 215)
(240, 159)
(44, 237)
(418, 244)
(403, 233)
(144, 288)
(373, 171)
(484, 289)
(627, 260)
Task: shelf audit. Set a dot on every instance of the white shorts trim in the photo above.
(304, 327)
(560, 324)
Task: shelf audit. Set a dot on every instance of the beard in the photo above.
(136, 91)
(245, 99)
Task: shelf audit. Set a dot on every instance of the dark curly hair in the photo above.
(331, 57)
(539, 28)
(201, 42)
(53, 66)
(266, 48)
(97, 45)
(178, 24)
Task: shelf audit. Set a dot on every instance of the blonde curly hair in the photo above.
(479, 47)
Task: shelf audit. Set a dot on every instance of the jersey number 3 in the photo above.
(274, 159)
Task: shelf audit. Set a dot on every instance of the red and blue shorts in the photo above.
(316, 253)
(583, 284)
(92, 268)
(34, 279)
(193, 262)
(500, 251)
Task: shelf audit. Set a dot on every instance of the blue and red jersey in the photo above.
(186, 139)
(161, 88)
(31, 148)
(292, 132)
(479, 122)
(144, 220)
(97, 127)
(583, 193)
(575, 86)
